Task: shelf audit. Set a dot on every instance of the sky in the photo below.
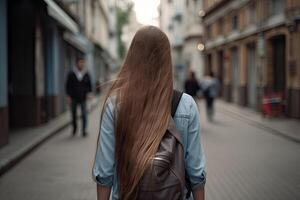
(146, 11)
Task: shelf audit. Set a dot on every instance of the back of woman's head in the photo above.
(143, 91)
(148, 57)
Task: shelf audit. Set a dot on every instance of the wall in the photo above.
(3, 55)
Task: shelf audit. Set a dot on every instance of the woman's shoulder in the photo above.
(109, 105)
(186, 105)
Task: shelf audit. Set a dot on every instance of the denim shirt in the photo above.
(187, 123)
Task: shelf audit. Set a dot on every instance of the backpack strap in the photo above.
(172, 127)
(175, 101)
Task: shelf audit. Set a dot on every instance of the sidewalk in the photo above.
(22, 142)
(284, 127)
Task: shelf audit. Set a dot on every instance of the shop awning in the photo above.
(78, 41)
(61, 16)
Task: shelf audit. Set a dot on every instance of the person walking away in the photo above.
(210, 87)
(191, 85)
(149, 144)
(78, 86)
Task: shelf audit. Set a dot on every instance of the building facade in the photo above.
(180, 20)
(252, 46)
(41, 41)
(193, 46)
(98, 19)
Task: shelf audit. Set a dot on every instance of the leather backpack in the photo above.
(166, 177)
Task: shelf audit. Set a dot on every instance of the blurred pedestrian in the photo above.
(191, 85)
(78, 86)
(210, 88)
(138, 131)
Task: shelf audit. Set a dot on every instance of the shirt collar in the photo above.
(79, 74)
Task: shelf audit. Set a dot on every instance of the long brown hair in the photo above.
(143, 90)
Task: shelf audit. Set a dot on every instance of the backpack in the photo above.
(166, 178)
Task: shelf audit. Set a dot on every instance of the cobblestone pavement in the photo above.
(244, 162)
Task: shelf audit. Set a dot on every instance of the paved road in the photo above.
(246, 163)
(243, 163)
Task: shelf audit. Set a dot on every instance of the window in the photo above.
(208, 32)
(276, 6)
(234, 22)
(252, 13)
(220, 26)
(177, 17)
(209, 63)
(111, 34)
(111, 9)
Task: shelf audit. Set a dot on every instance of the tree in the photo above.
(124, 7)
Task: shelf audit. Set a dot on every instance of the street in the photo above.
(244, 162)
(60, 54)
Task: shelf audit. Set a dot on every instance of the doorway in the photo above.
(251, 71)
(278, 64)
(21, 79)
(235, 74)
(220, 70)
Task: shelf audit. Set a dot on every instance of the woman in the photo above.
(135, 117)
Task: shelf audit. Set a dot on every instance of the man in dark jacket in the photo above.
(77, 87)
(191, 85)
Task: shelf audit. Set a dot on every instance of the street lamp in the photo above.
(200, 47)
(201, 13)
